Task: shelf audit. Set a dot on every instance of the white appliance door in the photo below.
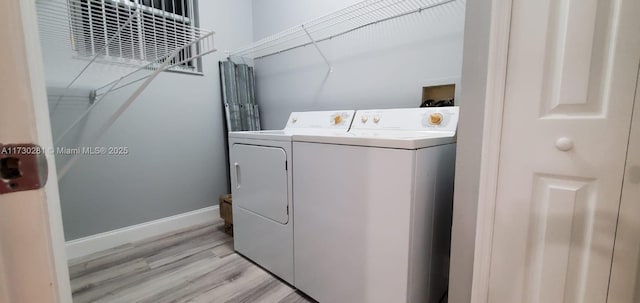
(570, 86)
(260, 183)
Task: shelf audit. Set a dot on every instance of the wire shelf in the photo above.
(357, 16)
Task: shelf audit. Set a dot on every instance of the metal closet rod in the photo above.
(301, 32)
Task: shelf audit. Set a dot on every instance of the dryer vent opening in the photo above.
(438, 95)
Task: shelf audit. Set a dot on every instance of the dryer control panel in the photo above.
(335, 119)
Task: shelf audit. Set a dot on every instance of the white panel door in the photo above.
(571, 79)
(259, 182)
(625, 273)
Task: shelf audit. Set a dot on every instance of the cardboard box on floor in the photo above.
(226, 213)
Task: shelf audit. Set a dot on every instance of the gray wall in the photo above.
(469, 150)
(174, 131)
(381, 66)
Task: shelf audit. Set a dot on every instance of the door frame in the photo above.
(39, 207)
(625, 264)
(493, 96)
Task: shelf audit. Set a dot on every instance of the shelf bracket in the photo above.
(317, 48)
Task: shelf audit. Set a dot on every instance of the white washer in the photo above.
(373, 208)
(261, 184)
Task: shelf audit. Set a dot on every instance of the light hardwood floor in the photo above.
(194, 265)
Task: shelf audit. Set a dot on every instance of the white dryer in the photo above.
(261, 184)
(373, 208)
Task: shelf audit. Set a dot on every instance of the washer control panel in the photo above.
(435, 119)
(414, 119)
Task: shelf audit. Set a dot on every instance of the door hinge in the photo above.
(22, 167)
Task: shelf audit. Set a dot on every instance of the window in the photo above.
(123, 31)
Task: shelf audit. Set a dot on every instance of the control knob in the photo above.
(435, 119)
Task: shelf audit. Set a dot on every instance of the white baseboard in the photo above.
(92, 244)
